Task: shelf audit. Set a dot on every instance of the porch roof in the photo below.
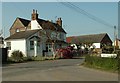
(22, 34)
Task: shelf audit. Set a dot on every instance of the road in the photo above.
(54, 70)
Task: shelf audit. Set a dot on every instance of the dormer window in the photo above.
(17, 30)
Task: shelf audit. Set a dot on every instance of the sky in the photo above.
(74, 23)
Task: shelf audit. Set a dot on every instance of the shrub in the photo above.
(34, 58)
(65, 52)
(108, 49)
(38, 58)
(17, 56)
(28, 58)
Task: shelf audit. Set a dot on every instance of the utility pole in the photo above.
(115, 37)
(4, 32)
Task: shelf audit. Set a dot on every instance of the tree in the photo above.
(48, 34)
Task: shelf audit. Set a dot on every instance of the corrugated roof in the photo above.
(96, 38)
(22, 34)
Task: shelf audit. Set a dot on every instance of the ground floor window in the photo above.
(31, 45)
(48, 47)
(9, 45)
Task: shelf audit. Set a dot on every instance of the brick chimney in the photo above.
(59, 21)
(34, 15)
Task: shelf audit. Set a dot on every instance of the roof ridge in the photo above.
(22, 18)
(88, 35)
(93, 34)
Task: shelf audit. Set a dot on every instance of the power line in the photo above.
(81, 11)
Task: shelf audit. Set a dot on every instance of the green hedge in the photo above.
(102, 63)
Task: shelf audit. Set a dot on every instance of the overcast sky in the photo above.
(74, 23)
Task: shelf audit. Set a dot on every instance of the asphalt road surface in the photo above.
(54, 70)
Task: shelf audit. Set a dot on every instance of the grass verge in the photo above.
(105, 64)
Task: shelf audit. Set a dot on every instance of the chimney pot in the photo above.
(34, 15)
(36, 11)
(33, 10)
(59, 22)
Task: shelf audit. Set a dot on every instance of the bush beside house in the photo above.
(66, 53)
(16, 56)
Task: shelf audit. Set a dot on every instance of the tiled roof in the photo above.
(44, 24)
(69, 39)
(22, 34)
(24, 21)
(96, 38)
(50, 25)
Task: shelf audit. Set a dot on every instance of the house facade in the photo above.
(36, 36)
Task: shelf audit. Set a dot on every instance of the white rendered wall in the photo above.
(97, 45)
(35, 25)
(18, 45)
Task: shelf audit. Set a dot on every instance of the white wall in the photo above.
(97, 45)
(18, 45)
(35, 25)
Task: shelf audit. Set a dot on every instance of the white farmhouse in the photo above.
(36, 36)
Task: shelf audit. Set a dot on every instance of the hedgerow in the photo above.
(102, 63)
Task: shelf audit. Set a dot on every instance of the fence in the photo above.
(3, 55)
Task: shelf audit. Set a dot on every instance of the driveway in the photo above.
(55, 70)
